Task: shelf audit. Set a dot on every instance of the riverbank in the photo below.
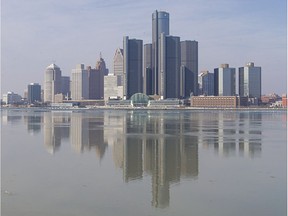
(143, 108)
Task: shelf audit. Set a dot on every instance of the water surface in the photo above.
(143, 163)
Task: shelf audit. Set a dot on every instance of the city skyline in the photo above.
(53, 31)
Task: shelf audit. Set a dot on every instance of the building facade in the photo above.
(118, 62)
(189, 68)
(250, 81)
(34, 93)
(224, 81)
(11, 98)
(133, 66)
(111, 89)
(160, 25)
(65, 86)
(169, 66)
(206, 83)
(215, 101)
(52, 82)
(79, 83)
(147, 70)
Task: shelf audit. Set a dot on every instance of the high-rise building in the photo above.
(79, 83)
(250, 81)
(169, 66)
(133, 66)
(34, 93)
(52, 82)
(206, 83)
(160, 25)
(147, 70)
(189, 68)
(96, 79)
(224, 81)
(65, 86)
(111, 90)
(118, 66)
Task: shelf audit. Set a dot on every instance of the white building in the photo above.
(52, 82)
(79, 83)
(111, 90)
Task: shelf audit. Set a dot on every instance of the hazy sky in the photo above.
(36, 33)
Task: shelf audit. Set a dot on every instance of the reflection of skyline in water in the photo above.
(161, 144)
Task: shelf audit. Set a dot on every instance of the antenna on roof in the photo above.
(100, 55)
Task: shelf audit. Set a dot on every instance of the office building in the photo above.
(133, 66)
(250, 81)
(224, 81)
(11, 98)
(65, 86)
(34, 93)
(189, 68)
(96, 79)
(206, 83)
(147, 70)
(79, 83)
(52, 82)
(169, 66)
(118, 66)
(160, 25)
(111, 90)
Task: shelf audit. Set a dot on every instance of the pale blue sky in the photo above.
(69, 32)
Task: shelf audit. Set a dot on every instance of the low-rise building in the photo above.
(11, 98)
(216, 101)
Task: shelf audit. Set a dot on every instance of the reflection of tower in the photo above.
(96, 135)
(114, 126)
(33, 123)
(133, 168)
(250, 131)
(226, 134)
(156, 143)
(79, 132)
(54, 130)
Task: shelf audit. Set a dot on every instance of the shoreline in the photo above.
(146, 108)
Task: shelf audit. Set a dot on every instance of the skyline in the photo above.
(71, 33)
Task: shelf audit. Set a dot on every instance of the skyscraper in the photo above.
(206, 83)
(79, 83)
(160, 24)
(34, 93)
(52, 82)
(169, 66)
(189, 68)
(118, 66)
(250, 81)
(147, 70)
(65, 86)
(133, 66)
(224, 81)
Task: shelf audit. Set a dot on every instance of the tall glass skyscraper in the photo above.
(160, 24)
(189, 68)
(169, 66)
(133, 66)
(250, 81)
(147, 70)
